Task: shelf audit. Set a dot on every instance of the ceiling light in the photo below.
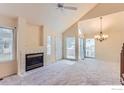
(101, 37)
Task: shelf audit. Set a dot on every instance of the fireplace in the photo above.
(34, 60)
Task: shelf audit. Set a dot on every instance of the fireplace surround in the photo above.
(22, 62)
(34, 60)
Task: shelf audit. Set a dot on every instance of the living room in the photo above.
(61, 43)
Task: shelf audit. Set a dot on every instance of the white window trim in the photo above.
(14, 45)
(49, 52)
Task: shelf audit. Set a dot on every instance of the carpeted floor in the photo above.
(65, 72)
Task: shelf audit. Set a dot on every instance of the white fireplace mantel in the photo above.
(22, 63)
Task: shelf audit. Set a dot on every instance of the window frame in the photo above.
(50, 52)
(66, 49)
(13, 45)
(94, 48)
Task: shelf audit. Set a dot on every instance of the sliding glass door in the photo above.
(86, 48)
(90, 48)
(81, 48)
(70, 47)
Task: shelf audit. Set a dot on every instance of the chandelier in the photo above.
(101, 37)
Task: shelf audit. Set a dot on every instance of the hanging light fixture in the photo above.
(101, 37)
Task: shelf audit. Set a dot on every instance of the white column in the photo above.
(77, 43)
(21, 28)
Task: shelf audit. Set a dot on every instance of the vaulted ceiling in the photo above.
(111, 13)
(47, 14)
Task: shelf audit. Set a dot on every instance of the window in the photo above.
(49, 43)
(90, 48)
(81, 48)
(6, 45)
(70, 47)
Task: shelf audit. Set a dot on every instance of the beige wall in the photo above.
(108, 50)
(33, 36)
(29, 35)
(7, 68)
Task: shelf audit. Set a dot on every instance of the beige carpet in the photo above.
(87, 72)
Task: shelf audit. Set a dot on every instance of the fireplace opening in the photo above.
(34, 60)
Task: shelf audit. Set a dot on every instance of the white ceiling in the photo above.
(47, 14)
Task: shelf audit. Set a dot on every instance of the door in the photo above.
(58, 47)
(7, 52)
(70, 47)
(90, 48)
(81, 49)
